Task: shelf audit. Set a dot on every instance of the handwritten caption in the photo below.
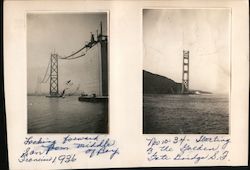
(67, 149)
(183, 148)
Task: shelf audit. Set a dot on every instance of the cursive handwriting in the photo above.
(31, 141)
(98, 148)
(66, 149)
(53, 146)
(184, 148)
(69, 138)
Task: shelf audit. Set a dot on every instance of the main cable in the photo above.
(47, 69)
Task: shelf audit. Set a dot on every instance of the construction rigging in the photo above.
(53, 63)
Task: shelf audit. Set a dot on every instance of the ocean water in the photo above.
(185, 114)
(66, 115)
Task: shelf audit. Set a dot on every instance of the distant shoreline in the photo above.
(47, 95)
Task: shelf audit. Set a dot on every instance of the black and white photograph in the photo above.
(67, 72)
(186, 71)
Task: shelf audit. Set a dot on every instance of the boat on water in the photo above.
(92, 98)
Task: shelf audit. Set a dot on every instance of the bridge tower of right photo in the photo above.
(186, 71)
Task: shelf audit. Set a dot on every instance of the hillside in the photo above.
(156, 84)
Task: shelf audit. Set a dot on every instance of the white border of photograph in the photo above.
(230, 63)
(90, 11)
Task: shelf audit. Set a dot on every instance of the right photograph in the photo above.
(186, 71)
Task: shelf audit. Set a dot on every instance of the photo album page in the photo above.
(119, 84)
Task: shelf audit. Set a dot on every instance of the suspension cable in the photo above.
(47, 69)
(85, 46)
(47, 79)
(73, 53)
(68, 58)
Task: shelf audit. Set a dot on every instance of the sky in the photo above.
(204, 32)
(63, 33)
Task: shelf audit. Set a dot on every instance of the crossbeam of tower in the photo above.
(185, 72)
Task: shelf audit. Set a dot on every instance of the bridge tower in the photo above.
(103, 39)
(185, 72)
(53, 90)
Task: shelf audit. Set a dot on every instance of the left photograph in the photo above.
(67, 72)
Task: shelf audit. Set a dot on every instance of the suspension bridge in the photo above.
(52, 71)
